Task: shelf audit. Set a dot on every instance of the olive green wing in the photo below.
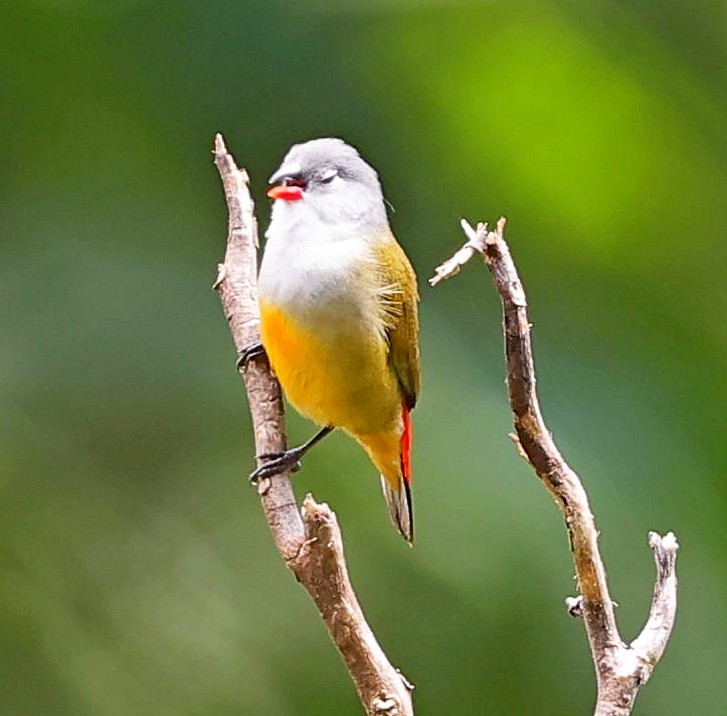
(398, 301)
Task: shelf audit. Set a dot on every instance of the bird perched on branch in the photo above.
(338, 310)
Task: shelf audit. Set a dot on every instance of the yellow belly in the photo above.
(342, 380)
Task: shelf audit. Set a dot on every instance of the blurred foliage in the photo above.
(137, 573)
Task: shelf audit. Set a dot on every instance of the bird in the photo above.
(338, 313)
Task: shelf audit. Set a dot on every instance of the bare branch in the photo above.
(473, 245)
(321, 567)
(309, 540)
(650, 644)
(620, 669)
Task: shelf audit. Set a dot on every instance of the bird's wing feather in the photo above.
(398, 300)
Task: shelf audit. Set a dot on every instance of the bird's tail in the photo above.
(398, 491)
(398, 500)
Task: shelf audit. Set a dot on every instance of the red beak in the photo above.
(286, 193)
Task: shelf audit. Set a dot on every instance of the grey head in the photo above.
(326, 180)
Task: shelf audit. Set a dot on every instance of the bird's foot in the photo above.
(254, 350)
(277, 463)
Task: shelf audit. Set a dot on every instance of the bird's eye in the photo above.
(328, 176)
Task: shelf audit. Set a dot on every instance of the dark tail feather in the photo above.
(400, 510)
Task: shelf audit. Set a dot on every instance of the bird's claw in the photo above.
(276, 463)
(254, 350)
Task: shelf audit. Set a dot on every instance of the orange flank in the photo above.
(347, 384)
(292, 352)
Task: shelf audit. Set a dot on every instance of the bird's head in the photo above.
(326, 179)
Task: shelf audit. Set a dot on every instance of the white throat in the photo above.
(314, 270)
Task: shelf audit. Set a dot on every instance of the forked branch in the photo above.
(621, 668)
(309, 540)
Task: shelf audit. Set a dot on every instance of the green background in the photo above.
(137, 576)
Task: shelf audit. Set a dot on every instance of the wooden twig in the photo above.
(309, 540)
(621, 669)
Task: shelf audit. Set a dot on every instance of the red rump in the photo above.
(406, 437)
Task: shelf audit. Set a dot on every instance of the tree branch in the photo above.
(309, 540)
(620, 669)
